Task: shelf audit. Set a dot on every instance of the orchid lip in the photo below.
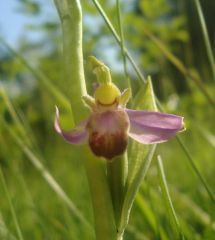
(108, 133)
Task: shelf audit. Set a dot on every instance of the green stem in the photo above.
(105, 227)
(117, 175)
(71, 19)
(14, 215)
(122, 42)
(205, 37)
(116, 36)
(167, 200)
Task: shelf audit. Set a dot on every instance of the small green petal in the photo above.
(125, 96)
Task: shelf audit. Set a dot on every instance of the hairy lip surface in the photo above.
(108, 145)
(108, 133)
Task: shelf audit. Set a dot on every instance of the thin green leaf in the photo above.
(145, 209)
(202, 216)
(13, 113)
(116, 36)
(122, 43)
(205, 37)
(168, 202)
(156, 200)
(149, 216)
(14, 216)
(195, 169)
(136, 233)
(133, 188)
(208, 136)
(5, 234)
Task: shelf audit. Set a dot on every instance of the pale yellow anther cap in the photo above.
(107, 93)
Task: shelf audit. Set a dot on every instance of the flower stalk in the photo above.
(71, 20)
(70, 14)
(117, 171)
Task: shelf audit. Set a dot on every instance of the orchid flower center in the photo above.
(107, 94)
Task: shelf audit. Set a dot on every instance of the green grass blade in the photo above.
(149, 216)
(156, 200)
(136, 233)
(122, 42)
(14, 217)
(168, 202)
(208, 136)
(5, 234)
(147, 212)
(13, 113)
(196, 170)
(205, 37)
(116, 36)
(22, 126)
(200, 214)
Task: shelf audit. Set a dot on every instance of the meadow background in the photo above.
(44, 192)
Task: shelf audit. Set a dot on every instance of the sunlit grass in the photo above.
(45, 193)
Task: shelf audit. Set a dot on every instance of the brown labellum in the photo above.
(108, 133)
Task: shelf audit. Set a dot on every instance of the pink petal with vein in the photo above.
(153, 127)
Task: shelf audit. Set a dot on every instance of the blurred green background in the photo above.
(166, 40)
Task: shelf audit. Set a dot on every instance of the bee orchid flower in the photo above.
(110, 123)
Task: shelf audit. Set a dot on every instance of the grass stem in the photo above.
(13, 212)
